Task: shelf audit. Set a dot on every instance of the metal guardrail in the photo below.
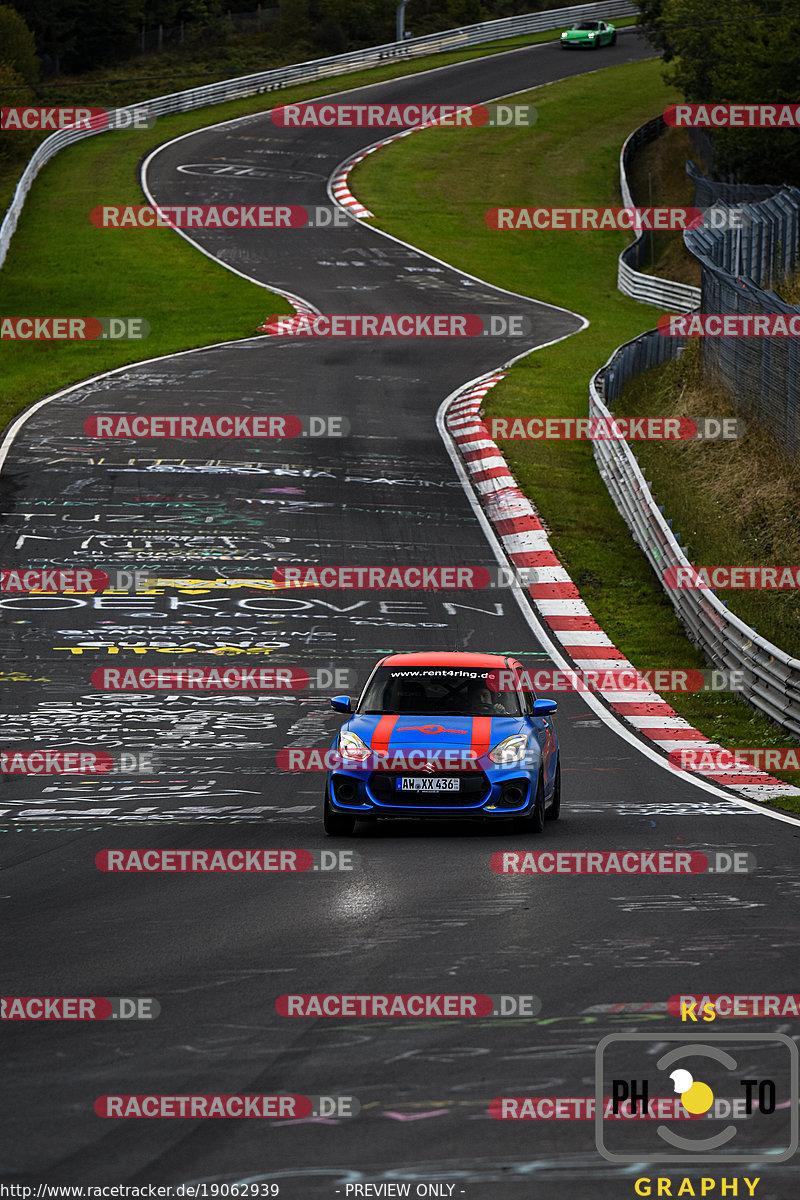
(320, 68)
(771, 678)
(761, 374)
(648, 289)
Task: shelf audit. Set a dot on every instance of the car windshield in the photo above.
(593, 25)
(441, 692)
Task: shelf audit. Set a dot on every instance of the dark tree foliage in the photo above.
(735, 51)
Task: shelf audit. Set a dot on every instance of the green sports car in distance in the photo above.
(589, 33)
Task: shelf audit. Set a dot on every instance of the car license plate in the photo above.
(428, 783)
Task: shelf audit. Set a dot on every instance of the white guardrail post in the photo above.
(320, 68)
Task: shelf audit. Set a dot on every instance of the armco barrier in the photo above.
(740, 266)
(771, 678)
(648, 289)
(320, 68)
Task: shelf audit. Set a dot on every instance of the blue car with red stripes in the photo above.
(444, 735)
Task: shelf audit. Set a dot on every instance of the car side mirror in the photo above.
(541, 708)
(341, 704)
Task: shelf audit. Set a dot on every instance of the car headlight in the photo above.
(510, 751)
(591, 35)
(351, 746)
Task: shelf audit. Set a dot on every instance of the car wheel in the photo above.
(336, 824)
(554, 811)
(535, 822)
(613, 41)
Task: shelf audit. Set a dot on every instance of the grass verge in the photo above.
(433, 190)
(60, 265)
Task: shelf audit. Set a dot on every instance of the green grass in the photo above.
(60, 265)
(733, 503)
(433, 190)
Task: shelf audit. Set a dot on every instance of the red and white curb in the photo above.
(338, 188)
(341, 192)
(301, 307)
(559, 604)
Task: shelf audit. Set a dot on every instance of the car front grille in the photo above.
(474, 791)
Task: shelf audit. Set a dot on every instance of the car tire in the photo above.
(336, 824)
(613, 41)
(554, 811)
(535, 822)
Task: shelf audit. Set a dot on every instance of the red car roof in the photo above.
(445, 659)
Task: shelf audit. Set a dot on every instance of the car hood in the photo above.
(478, 734)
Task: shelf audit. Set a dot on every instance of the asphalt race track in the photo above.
(422, 910)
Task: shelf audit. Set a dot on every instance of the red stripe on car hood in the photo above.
(382, 733)
(481, 735)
